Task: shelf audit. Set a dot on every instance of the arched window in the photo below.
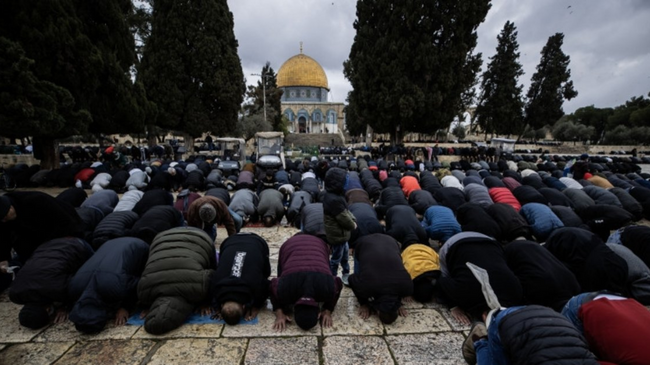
(317, 116)
(289, 114)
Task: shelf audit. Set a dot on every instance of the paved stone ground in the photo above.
(428, 335)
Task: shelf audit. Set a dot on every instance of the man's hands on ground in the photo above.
(460, 316)
(281, 320)
(121, 317)
(61, 315)
(326, 318)
(402, 312)
(364, 311)
(252, 313)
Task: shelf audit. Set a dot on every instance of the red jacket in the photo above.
(409, 185)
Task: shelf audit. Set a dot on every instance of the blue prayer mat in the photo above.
(194, 318)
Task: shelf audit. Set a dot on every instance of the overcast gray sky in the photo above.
(608, 40)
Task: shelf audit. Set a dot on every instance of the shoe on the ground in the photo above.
(344, 279)
(477, 332)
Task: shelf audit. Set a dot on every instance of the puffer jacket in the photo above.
(601, 182)
(628, 202)
(451, 181)
(371, 185)
(538, 335)
(367, 222)
(73, 196)
(137, 180)
(113, 226)
(570, 183)
(474, 218)
(637, 239)
(419, 259)
(440, 223)
(504, 196)
(541, 219)
(357, 196)
(429, 182)
(104, 200)
(511, 183)
(220, 193)
(421, 200)
(45, 276)
(512, 225)
(527, 194)
(106, 282)
(339, 222)
(176, 277)
(103, 180)
(478, 194)
(312, 220)
(603, 218)
(151, 199)
(310, 185)
(299, 199)
(245, 180)
(579, 198)
(554, 183)
(409, 184)
(403, 225)
(642, 195)
(128, 201)
(353, 182)
(451, 198)
(567, 216)
(555, 197)
(602, 196)
(157, 219)
(389, 198)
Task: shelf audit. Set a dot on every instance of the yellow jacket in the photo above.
(419, 258)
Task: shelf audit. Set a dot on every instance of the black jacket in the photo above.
(462, 288)
(545, 280)
(537, 335)
(421, 200)
(107, 281)
(113, 226)
(403, 226)
(381, 271)
(367, 222)
(390, 197)
(39, 218)
(151, 199)
(451, 198)
(594, 264)
(243, 271)
(157, 219)
(473, 217)
(45, 277)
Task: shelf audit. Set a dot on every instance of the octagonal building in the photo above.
(305, 97)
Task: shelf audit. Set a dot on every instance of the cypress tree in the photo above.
(501, 107)
(65, 72)
(117, 105)
(550, 85)
(190, 67)
(410, 63)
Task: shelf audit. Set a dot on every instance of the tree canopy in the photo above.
(550, 85)
(500, 109)
(410, 63)
(190, 67)
(255, 96)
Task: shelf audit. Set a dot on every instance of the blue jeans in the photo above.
(239, 222)
(490, 351)
(570, 310)
(340, 256)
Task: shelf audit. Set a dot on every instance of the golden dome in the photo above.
(302, 70)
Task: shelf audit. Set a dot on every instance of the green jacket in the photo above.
(176, 277)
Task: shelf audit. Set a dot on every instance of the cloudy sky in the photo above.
(608, 40)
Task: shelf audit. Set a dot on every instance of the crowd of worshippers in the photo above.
(555, 245)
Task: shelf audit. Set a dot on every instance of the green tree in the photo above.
(251, 124)
(117, 105)
(190, 67)
(65, 72)
(566, 129)
(550, 85)
(593, 117)
(410, 63)
(501, 108)
(255, 95)
(459, 132)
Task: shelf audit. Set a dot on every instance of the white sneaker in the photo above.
(344, 279)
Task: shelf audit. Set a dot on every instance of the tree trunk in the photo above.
(46, 150)
(369, 135)
(189, 143)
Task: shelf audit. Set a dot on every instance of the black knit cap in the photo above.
(5, 204)
(306, 316)
(33, 316)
